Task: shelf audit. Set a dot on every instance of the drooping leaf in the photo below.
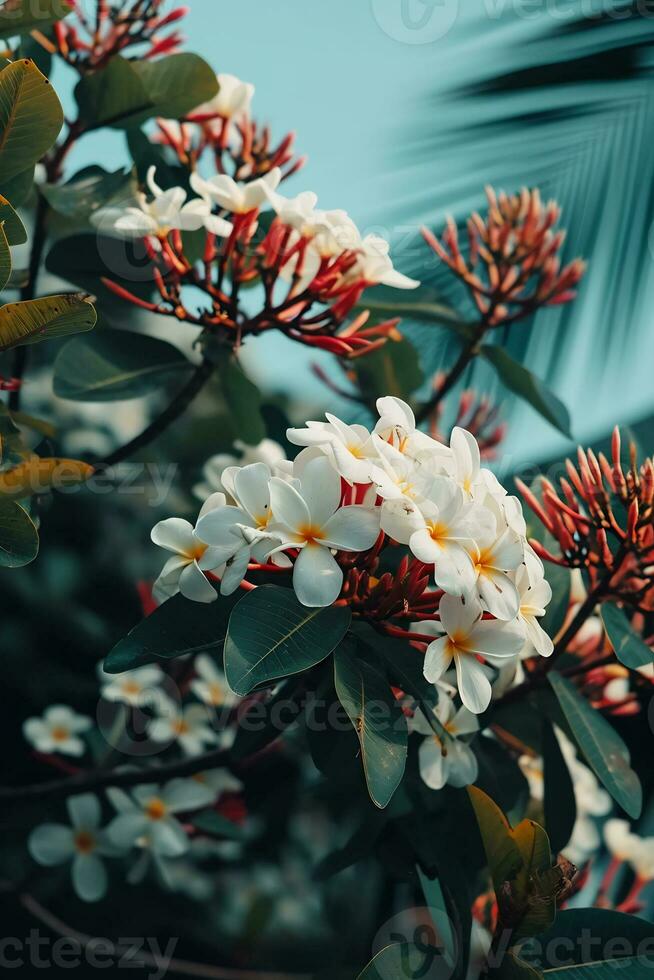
(23, 16)
(111, 365)
(30, 118)
(45, 319)
(12, 225)
(630, 648)
(602, 747)
(559, 796)
(5, 259)
(271, 635)
(177, 627)
(127, 93)
(527, 386)
(19, 540)
(86, 192)
(378, 721)
(504, 858)
(40, 475)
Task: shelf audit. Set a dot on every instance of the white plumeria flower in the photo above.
(535, 595)
(58, 730)
(440, 531)
(468, 635)
(466, 460)
(375, 267)
(267, 451)
(219, 781)
(310, 519)
(455, 763)
(239, 198)
(495, 553)
(148, 815)
(184, 572)
(83, 843)
(167, 211)
(189, 727)
(232, 101)
(396, 475)
(135, 687)
(210, 685)
(350, 447)
(241, 532)
(620, 839)
(397, 425)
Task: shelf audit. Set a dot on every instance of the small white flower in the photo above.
(311, 519)
(219, 781)
(375, 267)
(495, 553)
(466, 460)
(232, 101)
(189, 727)
(455, 763)
(184, 572)
(210, 685)
(620, 839)
(57, 731)
(134, 687)
(156, 218)
(148, 815)
(267, 451)
(350, 447)
(397, 425)
(468, 635)
(239, 198)
(83, 843)
(535, 595)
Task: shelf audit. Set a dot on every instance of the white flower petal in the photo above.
(317, 578)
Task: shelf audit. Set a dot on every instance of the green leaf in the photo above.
(559, 796)
(393, 369)
(23, 16)
(45, 319)
(86, 192)
(585, 938)
(630, 648)
(513, 968)
(604, 750)
(111, 365)
(18, 189)
(423, 305)
(13, 227)
(212, 823)
(12, 446)
(19, 540)
(404, 961)
(378, 721)
(271, 635)
(30, 118)
(5, 259)
(241, 396)
(176, 628)
(527, 386)
(634, 968)
(127, 93)
(259, 723)
(504, 857)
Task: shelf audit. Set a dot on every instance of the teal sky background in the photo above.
(361, 82)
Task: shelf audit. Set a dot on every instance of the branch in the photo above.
(175, 409)
(119, 952)
(469, 351)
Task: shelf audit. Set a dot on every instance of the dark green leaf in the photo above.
(402, 962)
(86, 192)
(17, 189)
(111, 365)
(586, 937)
(393, 369)
(604, 750)
(212, 823)
(30, 118)
(381, 727)
(5, 259)
(630, 648)
(19, 541)
(271, 635)
(261, 722)
(527, 386)
(559, 796)
(177, 627)
(12, 225)
(242, 398)
(23, 16)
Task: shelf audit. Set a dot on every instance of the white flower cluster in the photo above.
(314, 236)
(345, 487)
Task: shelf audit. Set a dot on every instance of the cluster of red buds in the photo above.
(512, 266)
(89, 41)
(602, 518)
(402, 594)
(315, 312)
(242, 148)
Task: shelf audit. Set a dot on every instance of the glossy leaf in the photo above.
(403, 961)
(378, 721)
(630, 648)
(23, 16)
(177, 627)
(559, 797)
(111, 365)
(504, 857)
(45, 319)
(585, 937)
(527, 386)
(86, 192)
(602, 747)
(12, 225)
(271, 635)
(19, 540)
(30, 118)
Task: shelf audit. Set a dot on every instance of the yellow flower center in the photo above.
(156, 809)
(180, 727)
(60, 734)
(438, 532)
(311, 533)
(84, 842)
(355, 451)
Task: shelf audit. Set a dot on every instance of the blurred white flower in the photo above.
(148, 815)
(453, 763)
(58, 730)
(267, 451)
(83, 843)
(232, 101)
(210, 685)
(189, 727)
(134, 687)
(239, 198)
